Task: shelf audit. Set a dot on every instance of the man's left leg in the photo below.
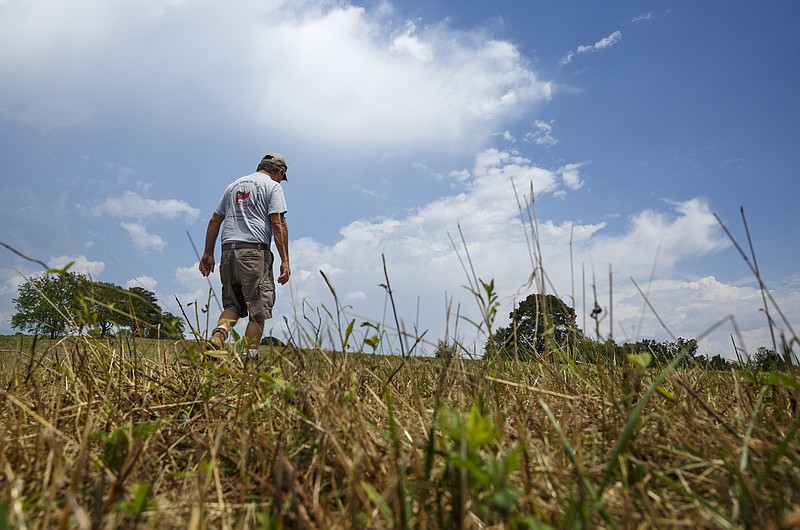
(253, 336)
(258, 287)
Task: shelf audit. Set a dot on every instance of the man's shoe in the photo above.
(218, 338)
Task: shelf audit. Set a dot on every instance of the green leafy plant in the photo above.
(478, 464)
(138, 502)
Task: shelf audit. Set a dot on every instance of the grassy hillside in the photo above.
(128, 433)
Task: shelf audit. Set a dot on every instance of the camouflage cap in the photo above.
(275, 159)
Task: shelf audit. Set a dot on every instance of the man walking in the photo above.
(251, 213)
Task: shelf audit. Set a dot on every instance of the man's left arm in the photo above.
(280, 232)
(207, 262)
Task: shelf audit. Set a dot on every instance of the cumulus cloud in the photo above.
(691, 308)
(145, 282)
(10, 281)
(571, 175)
(142, 240)
(542, 134)
(690, 231)
(605, 42)
(79, 264)
(193, 288)
(132, 205)
(443, 84)
(410, 44)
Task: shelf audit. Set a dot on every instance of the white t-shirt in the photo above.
(246, 206)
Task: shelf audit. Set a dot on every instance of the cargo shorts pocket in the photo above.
(257, 283)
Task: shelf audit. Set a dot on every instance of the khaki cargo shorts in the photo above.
(247, 283)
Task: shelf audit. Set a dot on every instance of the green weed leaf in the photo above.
(640, 360)
(479, 429)
(375, 498)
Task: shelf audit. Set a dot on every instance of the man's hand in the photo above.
(207, 264)
(285, 273)
(281, 235)
(207, 261)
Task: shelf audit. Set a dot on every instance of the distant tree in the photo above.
(767, 359)
(146, 319)
(445, 350)
(141, 311)
(46, 305)
(272, 341)
(538, 321)
(57, 304)
(100, 303)
(662, 352)
(718, 363)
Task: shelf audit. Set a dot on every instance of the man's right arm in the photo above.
(212, 231)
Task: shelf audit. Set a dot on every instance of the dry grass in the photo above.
(144, 433)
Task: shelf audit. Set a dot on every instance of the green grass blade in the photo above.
(628, 432)
(587, 485)
(718, 517)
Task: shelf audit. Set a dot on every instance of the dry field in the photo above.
(147, 434)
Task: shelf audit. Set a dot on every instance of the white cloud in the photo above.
(542, 135)
(356, 295)
(133, 205)
(690, 308)
(409, 44)
(445, 86)
(194, 294)
(10, 281)
(333, 65)
(145, 282)
(664, 239)
(461, 175)
(142, 240)
(81, 264)
(605, 42)
(508, 136)
(646, 16)
(571, 175)
(365, 191)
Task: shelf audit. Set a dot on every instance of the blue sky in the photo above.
(634, 122)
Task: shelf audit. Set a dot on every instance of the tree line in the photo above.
(544, 325)
(54, 305)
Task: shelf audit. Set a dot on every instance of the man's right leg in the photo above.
(226, 321)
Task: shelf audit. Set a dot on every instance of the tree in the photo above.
(100, 302)
(663, 352)
(47, 305)
(767, 359)
(145, 318)
(272, 341)
(719, 363)
(538, 324)
(54, 305)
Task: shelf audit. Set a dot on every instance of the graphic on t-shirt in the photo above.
(242, 198)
